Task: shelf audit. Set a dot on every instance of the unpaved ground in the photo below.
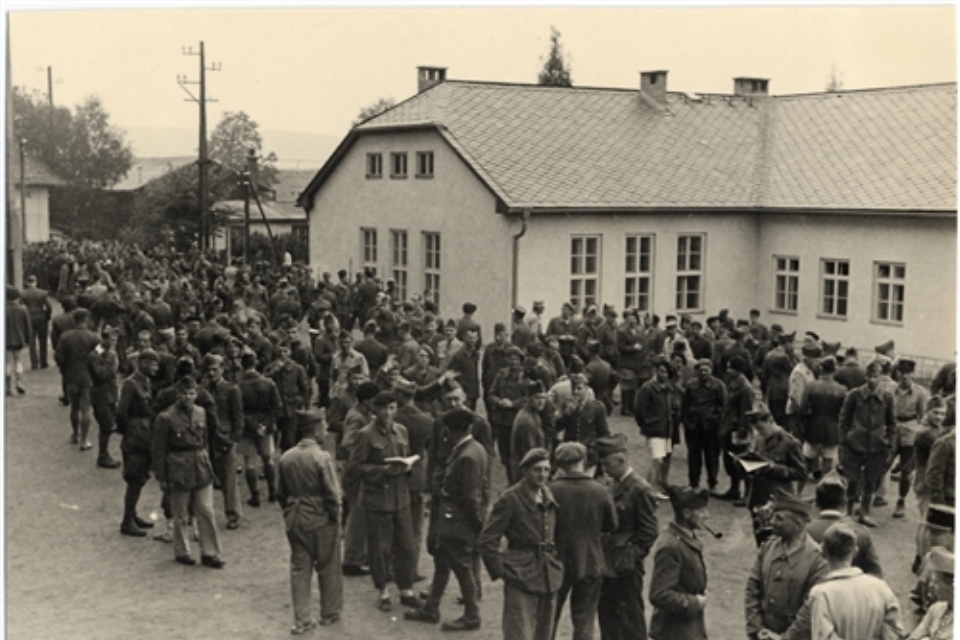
(70, 574)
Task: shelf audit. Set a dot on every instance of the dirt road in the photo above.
(70, 574)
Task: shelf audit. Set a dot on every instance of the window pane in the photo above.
(695, 244)
(645, 244)
(795, 265)
(694, 263)
(898, 293)
(575, 265)
(575, 289)
(883, 270)
(899, 271)
(592, 246)
(631, 244)
(631, 287)
(590, 287)
(883, 293)
(591, 266)
(631, 262)
(829, 267)
(842, 289)
(645, 263)
(645, 285)
(576, 246)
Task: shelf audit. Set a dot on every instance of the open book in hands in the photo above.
(407, 462)
(751, 461)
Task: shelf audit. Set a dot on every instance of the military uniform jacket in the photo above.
(261, 402)
(380, 489)
(73, 356)
(294, 386)
(463, 498)
(135, 414)
(786, 466)
(37, 304)
(466, 362)
(229, 403)
(506, 385)
(180, 448)
(103, 371)
(419, 425)
(585, 512)
(820, 410)
(584, 424)
(867, 423)
(679, 574)
(530, 562)
(653, 412)
(636, 532)
(308, 487)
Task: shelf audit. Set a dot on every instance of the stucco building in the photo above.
(833, 212)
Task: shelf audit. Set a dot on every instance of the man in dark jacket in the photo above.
(419, 425)
(19, 335)
(820, 420)
(135, 424)
(621, 596)
(678, 586)
(655, 419)
(701, 408)
(455, 522)
(223, 443)
(734, 420)
(505, 396)
(73, 358)
(261, 407)
(466, 362)
(293, 383)
(532, 572)
(585, 513)
(867, 430)
(38, 307)
(583, 420)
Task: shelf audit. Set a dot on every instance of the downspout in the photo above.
(515, 273)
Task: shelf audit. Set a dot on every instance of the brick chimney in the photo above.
(430, 76)
(653, 84)
(751, 86)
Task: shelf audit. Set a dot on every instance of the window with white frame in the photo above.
(424, 164)
(374, 165)
(834, 287)
(786, 283)
(398, 164)
(431, 267)
(398, 261)
(368, 250)
(638, 286)
(584, 270)
(690, 249)
(890, 279)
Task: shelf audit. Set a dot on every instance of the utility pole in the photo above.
(23, 191)
(50, 85)
(14, 218)
(251, 183)
(205, 235)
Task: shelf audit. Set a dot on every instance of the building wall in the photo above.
(926, 246)
(729, 280)
(38, 212)
(474, 239)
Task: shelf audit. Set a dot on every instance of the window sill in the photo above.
(395, 177)
(824, 316)
(691, 311)
(783, 312)
(372, 176)
(886, 323)
(425, 177)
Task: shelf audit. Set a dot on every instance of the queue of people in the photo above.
(210, 371)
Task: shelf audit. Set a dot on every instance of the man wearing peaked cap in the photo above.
(803, 374)
(678, 586)
(506, 396)
(785, 569)
(909, 408)
(614, 443)
(585, 513)
(938, 619)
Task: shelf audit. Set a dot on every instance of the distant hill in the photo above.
(295, 150)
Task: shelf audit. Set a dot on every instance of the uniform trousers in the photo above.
(315, 550)
(390, 545)
(527, 616)
(863, 471)
(416, 526)
(355, 532)
(38, 344)
(225, 467)
(200, 502)
(14, 369)
(503, 433)
(457, 556)
(621, 608)
(703, 450)
(584, 598)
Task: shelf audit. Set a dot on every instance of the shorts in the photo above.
(659, 447)
(826, 451)
(255, 446)
(136, 466)
(79, 396)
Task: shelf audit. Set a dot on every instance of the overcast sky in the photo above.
(311, 69)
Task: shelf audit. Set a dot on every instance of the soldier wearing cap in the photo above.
(940, 523)
(532, 572)
(803, 374)
(224, 441)
(293, 383)
(261, 407)
(135, 412)
(73, 357)
(345, 360)
(830, 499)
(583, 419)
(625, 548)
(38, 308)
(585, 514)
(701, 409)
(600, 374)
(938, 621)
(909, 407)
(564, 324)
(104, 366)
(466, 363)
(527, 430)
(820, 416)
(521, 335)
(181, 461)
(493, 361)
(534, 319)
(786, 568)
(309, 492)
(678, 586)
(456, 518)
(419, 426)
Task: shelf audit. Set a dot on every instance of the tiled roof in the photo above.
(36, 172)
(547, 147)
(144, 170)
(274, 211)
(291, 183)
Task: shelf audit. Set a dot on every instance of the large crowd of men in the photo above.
(210, 371)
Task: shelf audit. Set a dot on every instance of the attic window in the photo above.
(374, 165)
(424, 164)
(398, 165)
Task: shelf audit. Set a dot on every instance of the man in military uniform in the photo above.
(309, 492)
(583, 420)
(104, 364)
(38, 307)
(223, 445)
(455, 522)
(181, 461)
(135, 425)
(678, 587)
(261, 406)
(532, 572)
(621, 596)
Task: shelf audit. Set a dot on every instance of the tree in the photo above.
(374, 109)
(556, 70)
(81, 147)
(230, 144)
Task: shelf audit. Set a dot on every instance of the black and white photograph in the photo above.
(508, 322)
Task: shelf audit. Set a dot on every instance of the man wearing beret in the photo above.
(135, 412)
(456, 518)
(621, 596)
(867, 431)
(678, 586)
(385, 499)
(309, 492)
(786, 568)
(564, 324)
(181, 461)
(532, 572)
(585, 513)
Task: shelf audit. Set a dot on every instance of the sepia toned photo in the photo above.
(508, 322)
